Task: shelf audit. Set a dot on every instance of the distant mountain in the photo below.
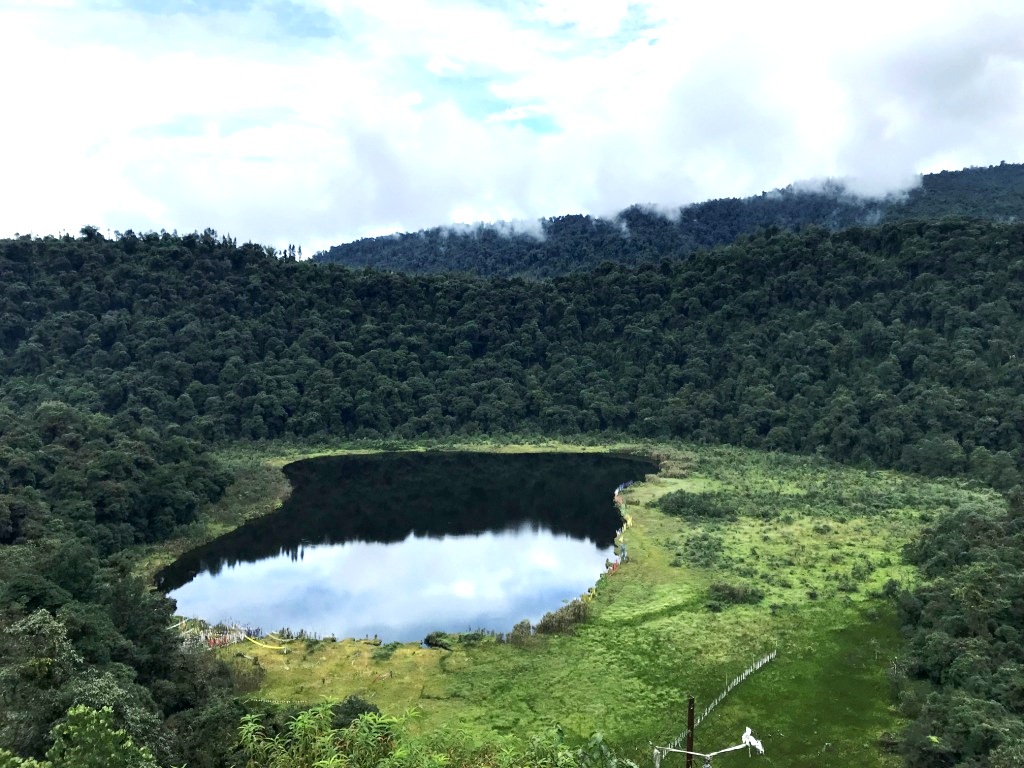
(640, 234)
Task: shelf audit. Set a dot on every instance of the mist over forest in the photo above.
(646, 233)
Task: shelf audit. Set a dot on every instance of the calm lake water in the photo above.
(400, 545)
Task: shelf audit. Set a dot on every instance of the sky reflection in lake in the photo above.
(402, 591)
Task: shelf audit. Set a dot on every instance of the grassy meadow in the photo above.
(810, 544)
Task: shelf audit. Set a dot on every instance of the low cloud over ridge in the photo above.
(323, 121)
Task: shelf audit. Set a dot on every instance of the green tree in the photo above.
(38, 661)
(87, 738)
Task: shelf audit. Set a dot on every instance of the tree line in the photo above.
(895, 346)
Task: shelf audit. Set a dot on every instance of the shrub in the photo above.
(521, 633)
(890, 742)
(344, 713)
(891, 588)
(385, 652)
(846, 584)
(246, 673)
(563, 619)
(704, 550)
(438, 640)
(735, 593)
(696, 506)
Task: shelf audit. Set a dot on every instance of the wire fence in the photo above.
(680, 740)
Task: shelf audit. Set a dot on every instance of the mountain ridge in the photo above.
(641, 234)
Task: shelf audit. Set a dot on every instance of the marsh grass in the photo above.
(818, 541)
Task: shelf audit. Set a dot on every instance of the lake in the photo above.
(400, 545)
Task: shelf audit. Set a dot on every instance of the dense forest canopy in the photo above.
(123, 360)
(962, 679)
(897, 345)
(639, 235)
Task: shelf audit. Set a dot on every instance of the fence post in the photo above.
(689, 733)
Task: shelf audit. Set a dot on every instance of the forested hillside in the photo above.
(897, 345)
(122, 360)
(76, 628)
(962, 679)
(639, 235)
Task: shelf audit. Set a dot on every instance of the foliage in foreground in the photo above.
(87, 738)
(371, 740)
(78, 488)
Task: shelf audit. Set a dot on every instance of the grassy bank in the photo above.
(816, 542)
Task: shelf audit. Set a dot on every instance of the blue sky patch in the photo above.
(168, 7)
(290, 19)
(538, 123)
(471, 92)
(473, 95)
(193, 125)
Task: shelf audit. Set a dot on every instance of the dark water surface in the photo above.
(400, 545)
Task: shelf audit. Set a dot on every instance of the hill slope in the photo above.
(898, 345)
(638, 235)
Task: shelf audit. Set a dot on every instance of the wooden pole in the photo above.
(689, 733)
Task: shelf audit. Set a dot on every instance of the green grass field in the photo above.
(820, 541)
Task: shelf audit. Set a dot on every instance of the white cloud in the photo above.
(360, 116)
(591, 18)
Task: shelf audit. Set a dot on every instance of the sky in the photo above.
(316, 122)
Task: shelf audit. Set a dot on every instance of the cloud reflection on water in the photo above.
(402, 591)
